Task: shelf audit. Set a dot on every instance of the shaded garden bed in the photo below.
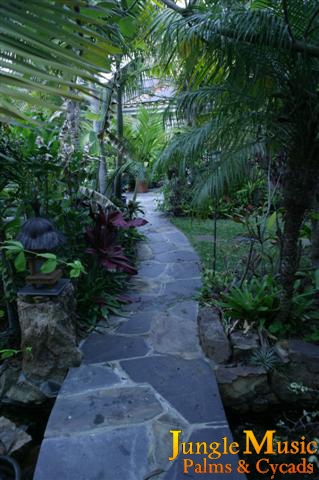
(290, 425)
(30, 421)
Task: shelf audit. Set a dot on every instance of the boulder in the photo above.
(8, 378)
(302, 371)
(245, 388)
(48, 330)
(212, 335)
(13, 439)
(306, 355)
(24, 392)
(244, 345)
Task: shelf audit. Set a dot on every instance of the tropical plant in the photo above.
(215, 282)
(103, 241)
(265, 358)
(16, 251)
(178, 195)
(133, 208)
(125, 80)
(47, 47)
(99, 293)
(59, 56)
(144, 139)
(11, 352)
(254, 301)
(249, 90)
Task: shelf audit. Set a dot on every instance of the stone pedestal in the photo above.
(48, 329)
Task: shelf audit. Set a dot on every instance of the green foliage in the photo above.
(15, 248)
(133, 208)
(304, 305)
(41, 41)
(76, 268)
(236, 63)
(6, 353)
(178, 197)
(304, 311)
(144, 139)
(313, 336)
(255, 301)
(248, 197)
(215, 282)
(250, 302)
(57, 54)
(20, 262)
(98, 295)
(265, 358)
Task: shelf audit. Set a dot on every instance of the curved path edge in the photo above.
(140, 378)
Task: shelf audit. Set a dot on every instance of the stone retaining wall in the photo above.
(286, 373)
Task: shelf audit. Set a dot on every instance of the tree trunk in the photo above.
(315, 233)
(69, 138)
(298, 189)
(135, 191)
(290, 256)
(119, 160)
(9, 292)
(102, 173)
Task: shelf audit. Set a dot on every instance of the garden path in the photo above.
(142, 377)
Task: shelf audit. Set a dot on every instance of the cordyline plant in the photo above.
(102, 238)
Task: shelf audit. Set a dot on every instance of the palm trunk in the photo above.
(290, 257)
(215, 239)
(315, 233)
(135, 191)
(299, 189)
(119, 161)
(102, 171)
(69, 143)
(101, 174)
(9, 297)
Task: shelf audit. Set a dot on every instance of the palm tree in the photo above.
(51, 50)
(126, 77)
(249, 86)
(144, 139)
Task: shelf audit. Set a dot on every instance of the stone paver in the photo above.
(188, 385)
(102, 408)
(101, 348)
(88, 377)
(143, 376)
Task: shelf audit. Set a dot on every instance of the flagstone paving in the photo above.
(143, 376)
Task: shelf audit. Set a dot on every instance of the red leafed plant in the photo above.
(102, 238)
(116, 219)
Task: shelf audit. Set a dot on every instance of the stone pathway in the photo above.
(142, 378)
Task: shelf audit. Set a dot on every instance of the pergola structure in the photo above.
(156, 93)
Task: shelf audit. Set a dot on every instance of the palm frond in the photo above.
(243, 81)
(45, 45)
(224, 171)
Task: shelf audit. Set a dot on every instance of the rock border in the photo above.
(245, 387)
